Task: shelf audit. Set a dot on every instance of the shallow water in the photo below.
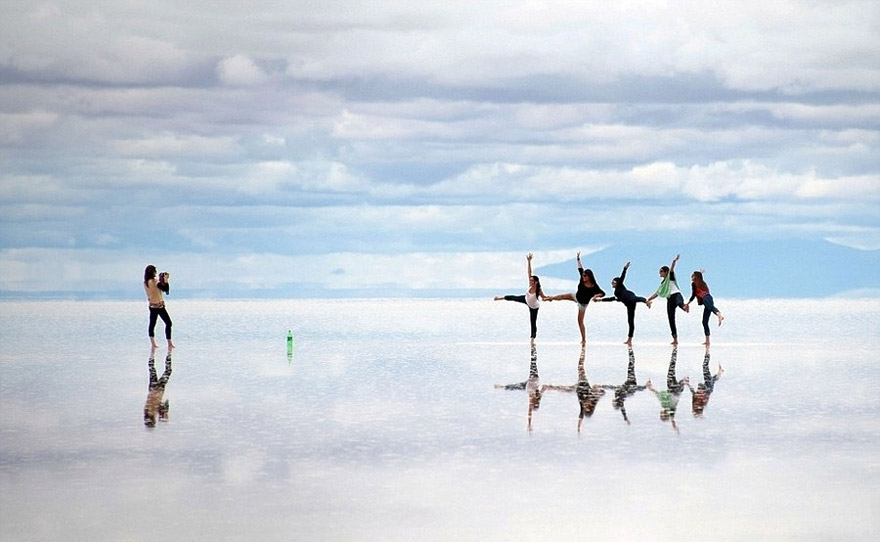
(386, 423)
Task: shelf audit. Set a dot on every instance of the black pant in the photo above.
(673, 302)
(533, 313)
(631, 314)
(156, 313)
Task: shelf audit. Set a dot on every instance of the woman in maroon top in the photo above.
(700, 290)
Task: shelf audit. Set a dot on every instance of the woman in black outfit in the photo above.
(629, 299)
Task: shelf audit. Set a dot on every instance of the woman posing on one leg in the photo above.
(587, 290)
(532, 297)
(154, 289)
(669, 289)
(700, 290)
(629, 299)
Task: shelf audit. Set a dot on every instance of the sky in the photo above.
(328, 148)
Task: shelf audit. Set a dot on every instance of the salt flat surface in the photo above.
(386, 423)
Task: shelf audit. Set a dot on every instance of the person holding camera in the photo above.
(155, 288)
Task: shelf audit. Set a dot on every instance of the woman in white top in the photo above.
(532, 298)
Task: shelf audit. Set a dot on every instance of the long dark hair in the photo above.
(149, 273)
(666, 269)
(538, 291)
(699, 282)
(589, 274)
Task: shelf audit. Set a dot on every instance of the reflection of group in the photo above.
(588, 395)
(155, 407)
(588, 290)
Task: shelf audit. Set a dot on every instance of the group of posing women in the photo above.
(588, 290)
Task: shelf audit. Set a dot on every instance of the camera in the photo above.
(163, 277)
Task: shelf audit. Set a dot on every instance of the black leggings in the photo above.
(631, 314)
(533, 313)
(154, 315)
(673, 302)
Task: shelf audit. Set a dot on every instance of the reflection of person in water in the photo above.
(588, 396)
(670, 397)
(627, 389)
(700, 396)
(154, 407)
(629, 299)
(531, 386)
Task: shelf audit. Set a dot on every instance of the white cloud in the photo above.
(743, 180)
(432, 129)
(16, 127)
(239, 70)
(170, 144)
(863, 188)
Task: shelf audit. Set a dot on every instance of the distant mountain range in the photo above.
(744, 270)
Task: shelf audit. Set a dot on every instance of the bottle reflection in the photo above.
(155, 408)
(670, 397)
(588, 396)
(629, 387)
(531, 386)
(700, 396)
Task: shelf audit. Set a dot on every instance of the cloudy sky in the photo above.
(321, 146)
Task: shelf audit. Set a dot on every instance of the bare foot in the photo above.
(628, 342)
(170, 345)
(707, 342)
(687, 308)
(648, 303)
(674, 342)
(720, 319)
(499, 297)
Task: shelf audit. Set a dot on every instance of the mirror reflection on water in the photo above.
(437, 420)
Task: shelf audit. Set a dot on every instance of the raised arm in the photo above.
(529, 265)
(580, 265)
(664, 284)
(623, 273)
